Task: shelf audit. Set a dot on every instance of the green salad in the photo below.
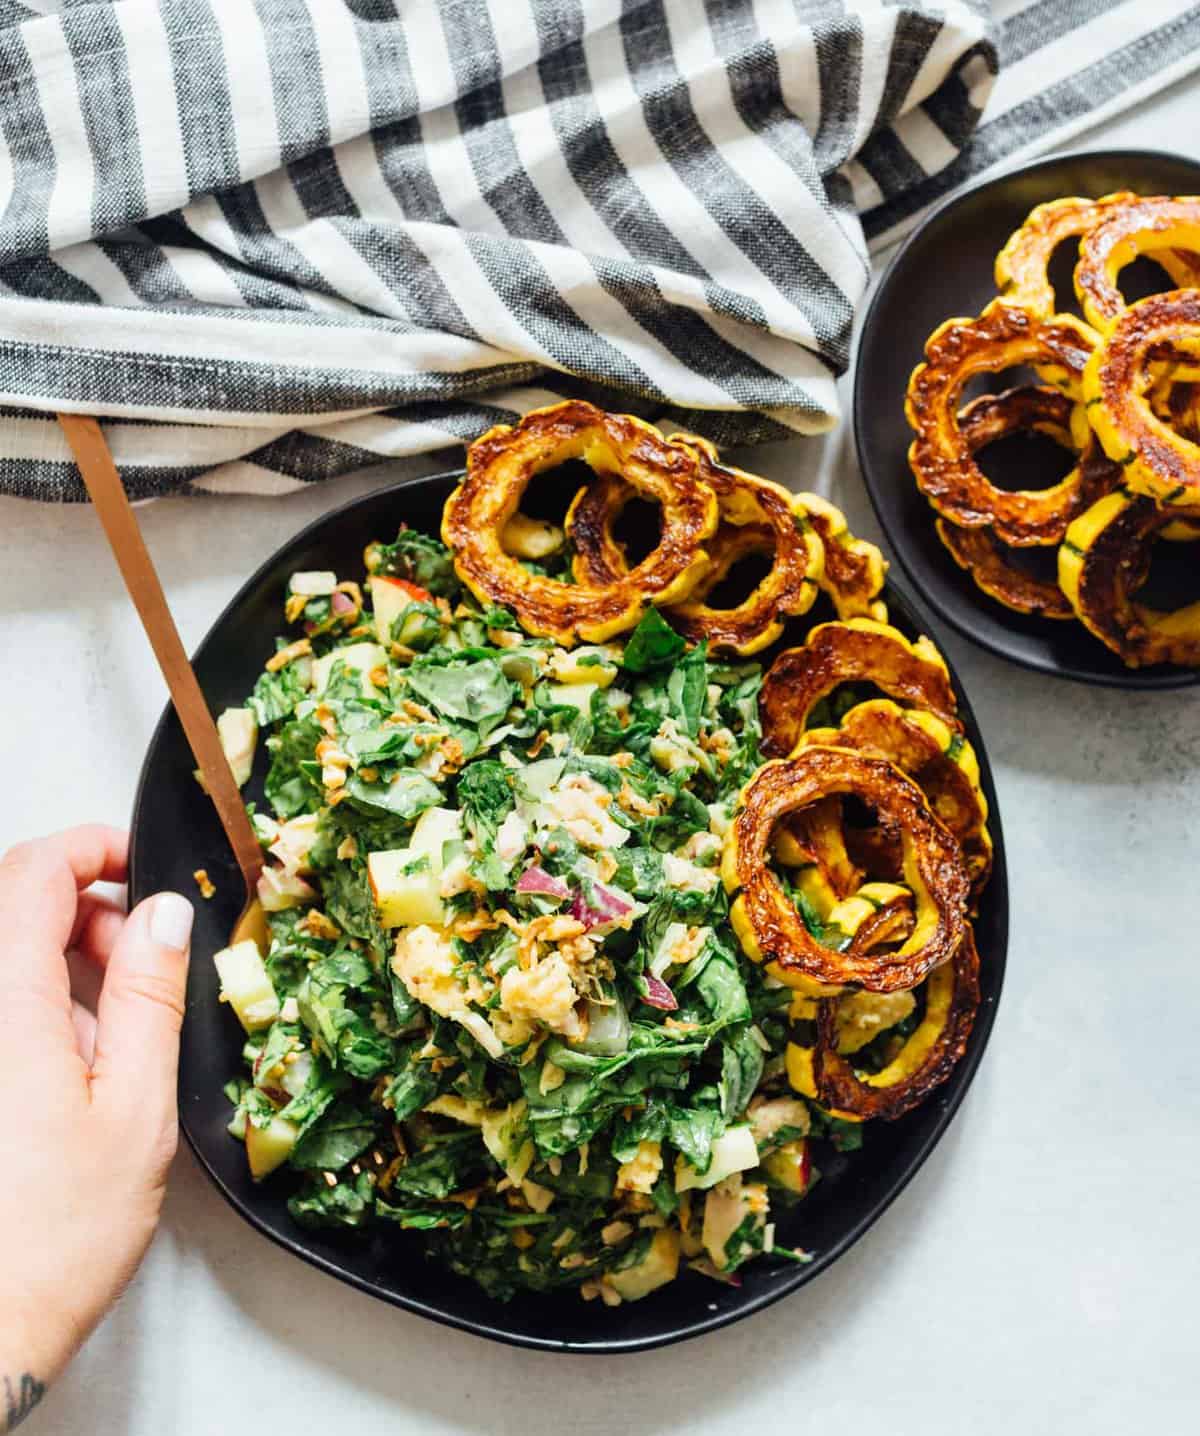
(502, 1004)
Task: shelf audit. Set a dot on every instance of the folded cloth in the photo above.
(272, 243)
(277, 241)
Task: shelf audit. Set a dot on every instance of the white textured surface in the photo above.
(1038, 1275)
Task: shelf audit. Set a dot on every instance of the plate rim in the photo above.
(1172, 677)
(912, 611)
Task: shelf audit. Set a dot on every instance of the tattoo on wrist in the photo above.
(20, 1397)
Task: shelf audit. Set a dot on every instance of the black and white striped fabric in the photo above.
(271, 241)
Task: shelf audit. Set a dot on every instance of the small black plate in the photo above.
(175, 831)
(944, 269)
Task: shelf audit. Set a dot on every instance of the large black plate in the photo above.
(175, 830)
(945, 269)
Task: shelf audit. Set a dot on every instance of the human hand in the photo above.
(87, 1104)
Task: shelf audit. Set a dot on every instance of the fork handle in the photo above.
(104, 484)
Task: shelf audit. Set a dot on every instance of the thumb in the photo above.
(141, 1006)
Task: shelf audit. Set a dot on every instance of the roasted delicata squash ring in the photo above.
(500, 465)
(942, 457)
(756, 517)
(887, 921)
(1177, 404)
(927, 1058)
(1154, 226)
(1021, 266)
(1157, 461)
(937, 758)
(767, 921)
(854, 569)
(1102, 562)
(858, 651)
(814, 839)
(982, 556)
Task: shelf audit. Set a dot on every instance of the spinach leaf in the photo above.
(473, 692)
(692, 1131)
(687, 687)
(275, 695)
(336, 1139)
(448, 1165)
(652, 644)
(420, 559)
(346, 1205)
(405, 795)
(288, 786)
(741, 1072)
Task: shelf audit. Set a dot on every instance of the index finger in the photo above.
(40, 882)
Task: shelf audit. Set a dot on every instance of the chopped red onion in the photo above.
(538, 881)
(658, 994)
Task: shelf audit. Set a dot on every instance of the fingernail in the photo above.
(171, 920)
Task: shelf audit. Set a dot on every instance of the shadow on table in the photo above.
(465, 1383)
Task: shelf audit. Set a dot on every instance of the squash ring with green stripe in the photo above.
(940, 761)
(928, 1056)
(1158, 461)
(942, 455)
(766, 919)
(1022, 265)
(1102, 563)
(756, 516)
(855, 570)
(500, 466)
(1153, 225)
(860, 650)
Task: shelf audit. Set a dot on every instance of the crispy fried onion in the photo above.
(766, 919)
(942, 456)
(1021, 265)
(1158, 461)
(854, 569)
(500, 465)
(1154, 226)
(1104, 560)
(938, 759)
(757, 516)
(928, 1056)
(858, 651)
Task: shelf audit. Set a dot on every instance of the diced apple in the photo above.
(433, 830)
(405, 898)
(278, 890)
(590, 664)
(246, 985)
(725, 1208)
(659, 1266)
(733, 1151)
(574, 695)
(790, 1165)
(524, 537)
(270, 1146)
(238, 733)
(317, 583)
(389, 598)
(362, 657)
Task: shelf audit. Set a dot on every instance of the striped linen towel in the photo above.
(275, 240)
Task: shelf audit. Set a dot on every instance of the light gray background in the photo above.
(1040, 1274)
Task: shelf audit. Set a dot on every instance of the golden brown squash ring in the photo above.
(854, 569)
(980, 555)
(756, 517)
(767, 922)
(1021, 266)
(500, 465)
(1153, 225)
(892, 922)
(942, 458)
(939, 760)
(927, 1058)
(1156, 460)
(1103, 560)
(857, 651)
